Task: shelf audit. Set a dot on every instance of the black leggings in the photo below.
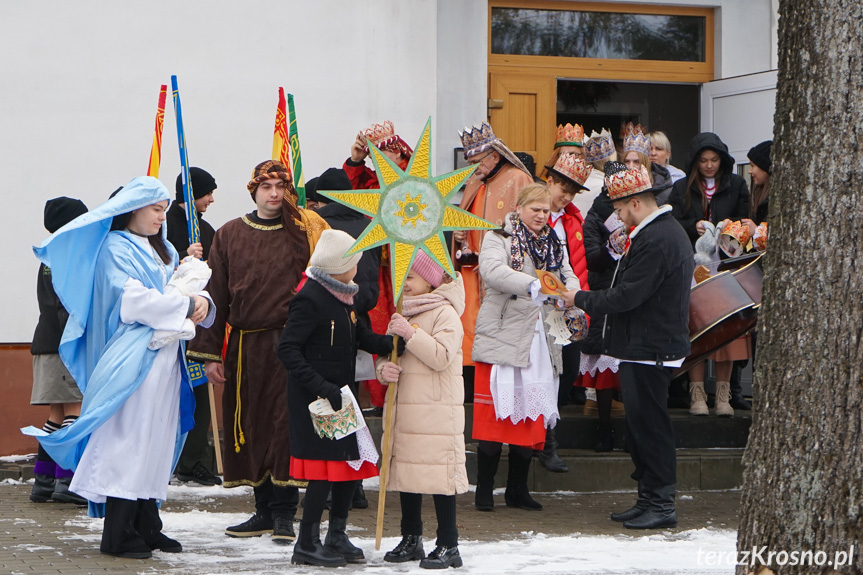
(493, 449)
(444, 506)
(316, 499)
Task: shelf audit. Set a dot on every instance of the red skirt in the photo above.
(318, 470)
(606, 379)
(486, 425)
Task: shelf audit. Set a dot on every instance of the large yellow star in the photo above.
(398, 216)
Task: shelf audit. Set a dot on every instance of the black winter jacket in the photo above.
(52, 316)
(731, 199)
(318, 349)
(178, 231)
(648, 305)
(600, 264)
(341, 217)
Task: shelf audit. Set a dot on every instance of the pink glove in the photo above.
(399, 326)
(390, 372)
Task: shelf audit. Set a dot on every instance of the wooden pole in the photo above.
(217, 443)
(389, 406)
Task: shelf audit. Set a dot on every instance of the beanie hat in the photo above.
(333, 179)
(60, 211)
(271, 170)
(311, 190)
(329, 255)
(427, 269)
(202, 184)
(760, 155)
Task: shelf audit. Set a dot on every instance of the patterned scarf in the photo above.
(546, 251)
(343, 292)
(417, 304)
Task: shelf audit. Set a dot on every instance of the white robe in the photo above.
(130, 455)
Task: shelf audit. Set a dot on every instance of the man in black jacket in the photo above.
(647, 330)
(197, 455)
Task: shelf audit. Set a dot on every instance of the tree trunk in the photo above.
(803, 477)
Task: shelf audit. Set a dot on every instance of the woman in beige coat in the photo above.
(428, 453)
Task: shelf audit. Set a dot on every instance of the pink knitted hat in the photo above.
(427, 269)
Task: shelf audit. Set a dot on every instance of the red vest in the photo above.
(573, 222)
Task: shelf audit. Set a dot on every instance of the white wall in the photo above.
(79, 84)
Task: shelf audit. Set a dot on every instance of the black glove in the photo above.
(401, 347)
(335, 398)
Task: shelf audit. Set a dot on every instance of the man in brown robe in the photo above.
(257, 262)
(490, 193)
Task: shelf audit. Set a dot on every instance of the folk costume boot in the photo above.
(337, 541)
(410, 548)
(61, 493)
(486, 470)
(697, 398)
(119, 536)
(517, 494)
(148, 524)
(637, 510)
(723, 397)
(310, 551)
(549, 457)
(660, 512)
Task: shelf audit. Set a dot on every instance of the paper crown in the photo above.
(636, 140)
(734, 238)
(599, 146)
(381, 135)
(572, 167)
(569, 135)
(759, 240)
(477, 139)
(627, 183)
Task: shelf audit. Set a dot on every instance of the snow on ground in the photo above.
(207, 551)
(15, 458)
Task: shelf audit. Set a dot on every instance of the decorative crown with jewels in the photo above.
(572, 167)
(734, 238)
(569, 135)
(598, 147)
(476, 140)
(636, 140)
(627, 183)
(381, 134)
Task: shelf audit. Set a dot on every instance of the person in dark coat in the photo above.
(53, 385)
(647, 331)
(711, 190)
(317, 348)
(341, 217)
(197, 456)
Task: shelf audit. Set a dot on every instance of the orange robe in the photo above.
(491, 200)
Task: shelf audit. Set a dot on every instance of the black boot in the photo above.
(635, 511)
(359, 500)
(442, 558)
(257, 525)
(660, 512)
(517, 494)
(43, 488)
(119, 536)
(410, 548)
(283, 530)
(486, 470)
(337, 541)
(549, 457)
(309, 551)
(148, 524)
(62, 494)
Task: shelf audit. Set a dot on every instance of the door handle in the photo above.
(495, 104)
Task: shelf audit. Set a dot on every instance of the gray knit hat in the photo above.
(329, 256)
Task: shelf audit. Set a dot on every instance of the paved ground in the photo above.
(58, 538)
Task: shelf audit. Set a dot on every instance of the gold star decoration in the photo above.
(410, 211)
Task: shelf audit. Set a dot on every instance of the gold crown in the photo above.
(599, 146)
(381, 134)
(738, 231)
(569, 135)
(476, 140)
(636, 140)
(572, 167)
(627, 183)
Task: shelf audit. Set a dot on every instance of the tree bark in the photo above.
(803, 475)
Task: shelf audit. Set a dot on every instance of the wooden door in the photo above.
(522, 112)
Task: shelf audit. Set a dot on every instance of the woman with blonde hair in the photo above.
(660, 153)
(517, 361)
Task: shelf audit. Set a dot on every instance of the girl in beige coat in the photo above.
(428, 453)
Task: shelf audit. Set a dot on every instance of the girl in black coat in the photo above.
(711, 190)
(318, 349)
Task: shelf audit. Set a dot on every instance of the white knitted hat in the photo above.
(330, 252)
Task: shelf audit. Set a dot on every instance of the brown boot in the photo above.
(723, 398)
(697, 398)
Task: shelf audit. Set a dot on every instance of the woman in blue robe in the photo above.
(110, 267)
